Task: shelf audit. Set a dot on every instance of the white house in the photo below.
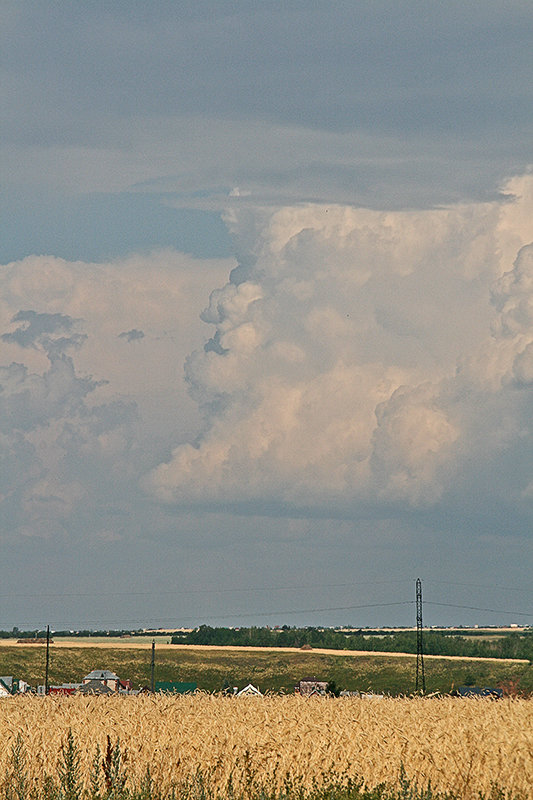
(250, 691)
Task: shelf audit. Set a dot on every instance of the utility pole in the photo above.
(152, 672)
(420, 677)
(47, 659)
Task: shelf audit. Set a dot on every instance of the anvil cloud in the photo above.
(351, 352)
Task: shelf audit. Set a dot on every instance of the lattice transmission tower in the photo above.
(420, 676)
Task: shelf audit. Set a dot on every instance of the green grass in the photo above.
(271, 671)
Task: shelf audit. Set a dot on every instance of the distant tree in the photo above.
(332, 689)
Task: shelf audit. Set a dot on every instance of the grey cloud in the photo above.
(513, 328)
(29, 400)
(43, 329)
(60, 344)
(362, 103)
(131, 336)
(335, 67)
(55, 443)
(18, 463)
(37, 325)
(523, 367)
(513, 296)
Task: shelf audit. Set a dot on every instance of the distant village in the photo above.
(97, 682)
(106, 682)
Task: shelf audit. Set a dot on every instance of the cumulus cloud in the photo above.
(28, 400)
(349, 352)
(158, 295)
(80, 421)
(51, 429)
(513, 297)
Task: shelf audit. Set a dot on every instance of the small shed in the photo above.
(250, 691)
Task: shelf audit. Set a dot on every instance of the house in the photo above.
(477, 691)
(103, 676)
(249, 691)
(311, 686)
(95, 687)
(10, 685)
(64, 688)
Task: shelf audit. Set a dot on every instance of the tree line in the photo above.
(444, 643)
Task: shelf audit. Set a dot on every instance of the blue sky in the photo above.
(267, 316)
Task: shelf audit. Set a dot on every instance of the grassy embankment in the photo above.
(273, 670)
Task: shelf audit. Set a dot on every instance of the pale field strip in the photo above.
(127, 644)
(462, 746)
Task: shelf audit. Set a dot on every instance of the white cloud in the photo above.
(349, 353)
(83, 410)
(357, 359)
(159, 294)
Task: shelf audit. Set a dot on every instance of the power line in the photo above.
(259, 589)
(279, 613)
(315, 610)
(476, 608)
(240, 615)
(140, 620)
(38, 595)
(484, 586)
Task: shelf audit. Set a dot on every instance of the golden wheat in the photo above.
(463, 746)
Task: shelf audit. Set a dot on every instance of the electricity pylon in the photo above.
(420, 677)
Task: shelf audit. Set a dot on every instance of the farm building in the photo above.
(105, 677)
(311, 686)
(477, 691)
(10, 685)
(64, 688)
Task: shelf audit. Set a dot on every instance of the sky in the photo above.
(266, 313)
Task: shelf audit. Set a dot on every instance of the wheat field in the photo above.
(461, 746)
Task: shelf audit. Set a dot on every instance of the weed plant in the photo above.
(108, 780)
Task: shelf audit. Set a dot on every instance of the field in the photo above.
(207, 744)
(270, 669)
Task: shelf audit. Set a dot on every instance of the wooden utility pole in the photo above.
(47, 659)
(152, 672)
